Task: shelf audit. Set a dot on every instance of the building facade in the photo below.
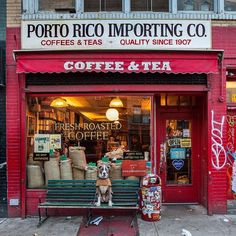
(120, 79)
(3, 175)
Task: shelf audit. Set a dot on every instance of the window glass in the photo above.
(230, 5)
(195, 5)
(66, 136)
(102, 5)
(178, 152)
(150, 5)
(231, 91)
(50, 5)
(171, 100)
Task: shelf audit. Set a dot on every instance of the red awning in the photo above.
(122, 62)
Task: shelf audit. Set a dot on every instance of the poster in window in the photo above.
(41, 143)
(55, 141)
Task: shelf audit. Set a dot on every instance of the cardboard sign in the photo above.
(184, 143)
(133, 168)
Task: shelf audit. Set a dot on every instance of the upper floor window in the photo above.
(52, 5)
(230, 5)
(195, 5)
(150, 5)
(102, 5)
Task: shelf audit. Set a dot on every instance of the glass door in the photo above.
(178, 161)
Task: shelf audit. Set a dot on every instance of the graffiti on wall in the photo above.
(219, 157)
(231, 155)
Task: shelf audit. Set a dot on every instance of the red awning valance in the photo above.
(122, 62)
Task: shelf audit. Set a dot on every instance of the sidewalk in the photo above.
(174, 218)
(192, 218)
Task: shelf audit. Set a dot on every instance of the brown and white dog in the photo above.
(103, 184)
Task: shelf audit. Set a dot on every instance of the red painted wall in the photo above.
(13, 124)
(224, 37)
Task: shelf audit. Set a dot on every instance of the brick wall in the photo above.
(224, 38)
(13, 13)
(3, 177)
(13, 124)
(217, 184)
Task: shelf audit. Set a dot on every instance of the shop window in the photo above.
(173, 100)
(195, 5)
(231, 86)
(59, 5)
(102, 5)
(66, 136)
(231, 91)
(150, 5)
(230, 5)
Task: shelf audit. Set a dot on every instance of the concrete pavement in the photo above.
(191, 218)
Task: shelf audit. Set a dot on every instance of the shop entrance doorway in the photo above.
(179, 162)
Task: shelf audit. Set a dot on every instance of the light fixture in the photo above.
(116, 102)
(112, 114)
(59, 102)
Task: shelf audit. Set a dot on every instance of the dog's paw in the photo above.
(98, 204)
(110, 203)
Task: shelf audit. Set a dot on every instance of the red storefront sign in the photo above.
(122, 62)
(134, 168)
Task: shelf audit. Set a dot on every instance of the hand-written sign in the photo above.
(41, 156)
(131, 155)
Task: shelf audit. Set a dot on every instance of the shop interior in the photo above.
(67, 135)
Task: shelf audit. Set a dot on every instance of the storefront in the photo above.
(161, 105)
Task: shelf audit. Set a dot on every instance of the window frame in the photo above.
(32, 7)
(170, 8)
(223, 9)
(215, 7)
(82, 8)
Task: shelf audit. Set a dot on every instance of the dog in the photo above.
(103, 184)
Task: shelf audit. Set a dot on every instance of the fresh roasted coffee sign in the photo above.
(87, 131)
(116, 34)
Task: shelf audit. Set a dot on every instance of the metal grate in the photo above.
(114, 78)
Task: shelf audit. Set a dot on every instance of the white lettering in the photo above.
(68, 65)
(166, 65)
(108, 65)
(146, 65)
(119, 65)
(156, 65)
(79, 65)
